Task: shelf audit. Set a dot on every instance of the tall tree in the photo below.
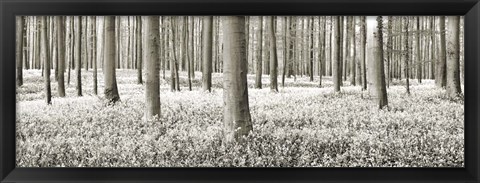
(258, 71)
(380, 85)
(406, 55)
(236, 116)
(152, 87)
(352, 47)
(46, 59)
(453, 56)
(139, 44)
(60, 21)
(363, 42)
(19, 49)
(273, 56)
(77, 53)
(441, 77)
(337, 63)
(207, 53)
(418, 56)
(111, 90)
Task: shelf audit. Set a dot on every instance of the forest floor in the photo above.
(301, 126)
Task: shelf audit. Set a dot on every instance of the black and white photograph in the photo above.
(239, 91)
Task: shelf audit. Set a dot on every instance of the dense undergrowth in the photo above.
(301, 126)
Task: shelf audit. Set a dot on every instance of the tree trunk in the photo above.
(111, 90)
(19, 49)
(273, 56)
(92, 58)
(453, 58)
(237, 119)
(441, 78)
(337, 63)
(379, 73)
(363, 42)
(152, 86)
(60, 21)
(352, 56)
(46, 59)
(406, 56)
(418, 55)
(207, 53)
(78, 59)
(258, 72)
(139, 49)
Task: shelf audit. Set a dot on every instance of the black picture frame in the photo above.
(10, 8)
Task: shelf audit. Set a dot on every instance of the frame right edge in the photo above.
(472, 128)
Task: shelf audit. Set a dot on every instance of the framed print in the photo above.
(239, 91)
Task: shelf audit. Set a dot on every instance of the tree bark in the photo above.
(363, 42)
(46, 60)
(258, 72)
(337, 63)
(19, 49)
(152, 87)
(273, 56)
(453, 58)
(111, 90)
(441, 78)
(60, 21)
(207, 53)
(139, 49)
(406, 55)
(237, 119)
(77, 52)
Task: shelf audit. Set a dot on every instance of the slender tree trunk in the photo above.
(286, 24)
(78, 59)
(139, 49)
(152, 86)
(60, 21)
(236, 116)
(258, 72)
(337, 65)
(19, 49)
(353, 56)
(273, 56)
(453, 58)
(46, 59)
(207, 53)
(441, 78)
(111, 90)
(418, 55)
(92, 57)
(363, 42)
(379, 78)
(406, 54)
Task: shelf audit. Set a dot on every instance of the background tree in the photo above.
(337, 65)
(406, 55)
(258, 72)
(453, 58)
(379, 73)
(45, 52)
(418, 55)
(236, 116)
(77, 53)
(363, 42)
(60, 21)
(152, 87)
(441, 77)
(207, 53)
(273, 56)
(111, 90)
(139, 50)
(19, 48)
